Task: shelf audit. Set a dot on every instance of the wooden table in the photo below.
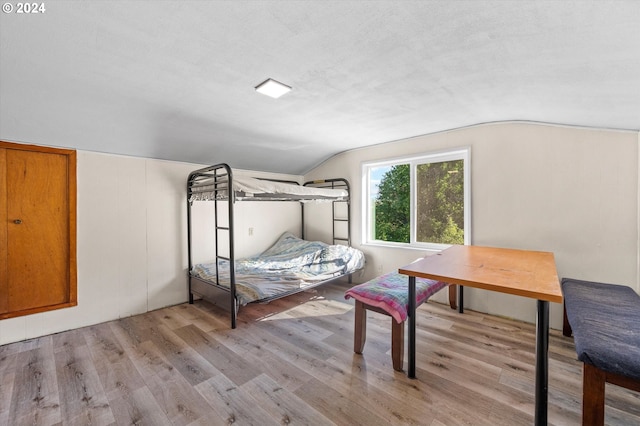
(520, 272)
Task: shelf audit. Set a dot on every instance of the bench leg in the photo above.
(360, 331)
(593, 384)
(397, 344)
(453, 296)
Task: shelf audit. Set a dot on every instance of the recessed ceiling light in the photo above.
(272, 88)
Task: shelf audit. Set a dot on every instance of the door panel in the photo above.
(37, 229)
(4, 291)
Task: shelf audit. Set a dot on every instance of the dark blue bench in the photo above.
(605, 322)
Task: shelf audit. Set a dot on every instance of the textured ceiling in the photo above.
(175, 79)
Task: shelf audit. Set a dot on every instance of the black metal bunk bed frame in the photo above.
(218, 179)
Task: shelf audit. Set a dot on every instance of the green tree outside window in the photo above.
(439, 203)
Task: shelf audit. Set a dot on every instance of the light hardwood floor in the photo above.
(291, 362)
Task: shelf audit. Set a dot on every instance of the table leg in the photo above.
(542, 362)
(412, 328)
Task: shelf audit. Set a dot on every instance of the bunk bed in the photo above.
(291, 265)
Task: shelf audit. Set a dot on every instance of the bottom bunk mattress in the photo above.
(289, 265)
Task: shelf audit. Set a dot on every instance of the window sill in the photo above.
(428, 249)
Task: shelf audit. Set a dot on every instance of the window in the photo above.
(421, 201)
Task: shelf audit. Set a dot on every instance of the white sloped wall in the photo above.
(571, 191)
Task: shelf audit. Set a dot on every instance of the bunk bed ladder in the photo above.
(224, 182)
(335, 218)
(340, 218)
(221, 179)
(189, 254)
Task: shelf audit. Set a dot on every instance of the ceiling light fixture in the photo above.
(272, 88)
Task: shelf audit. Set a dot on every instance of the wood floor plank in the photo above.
(34, 398)
(622, 399)
(565, 408)
(175, 396)
(82, 397)
(205, 320)
(284, 406)
(171, 319)
(342, 380)
(178, 399)
(439, 393)
(121, 378)
(8, 359)
(116, 371)
(144, 355)
(7, 378)
(454, 341)
(292, 362)
(232, 404)
(138, 407)
(616, 417)
(485, 390)
(301, 325)
(287, 375)
(161, 351)
(288, 330)
(419, 398)
(27, 345)
(68, 341)
(339, 408)
(186, 359)
(100, 337)
(225, 360)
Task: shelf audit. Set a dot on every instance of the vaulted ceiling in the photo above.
(175, 79)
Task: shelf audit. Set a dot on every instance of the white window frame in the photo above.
(463, 154)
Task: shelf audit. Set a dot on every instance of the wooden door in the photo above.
(4, 242)
(40, 230)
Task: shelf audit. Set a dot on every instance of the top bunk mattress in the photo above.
(206, 187)
(248, 188)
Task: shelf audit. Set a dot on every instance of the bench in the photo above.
(605, 322)
(388, 295)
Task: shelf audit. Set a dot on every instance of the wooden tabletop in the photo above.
(520, 272)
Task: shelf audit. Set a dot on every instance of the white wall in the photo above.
(132, 241)
(571, 191)
(567, 190)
